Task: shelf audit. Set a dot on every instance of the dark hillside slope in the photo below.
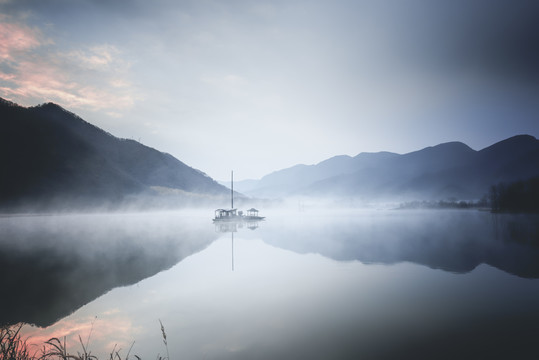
(513, 159)
(439, 172)
(51, 156)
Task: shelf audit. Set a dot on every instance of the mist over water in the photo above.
(58, 263)
(301, 284)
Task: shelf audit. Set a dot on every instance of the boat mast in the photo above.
(232, 188)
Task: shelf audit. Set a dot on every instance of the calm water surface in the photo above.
(339, 285)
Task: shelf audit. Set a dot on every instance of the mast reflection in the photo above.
(232, 227)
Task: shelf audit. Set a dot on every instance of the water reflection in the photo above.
(454, 241)
(234, 226)
(56, 264)
(318, 287)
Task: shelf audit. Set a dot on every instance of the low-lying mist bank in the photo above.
(166, 200)
(196, 202)
(517, 196)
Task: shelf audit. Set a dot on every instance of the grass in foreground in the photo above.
(14, 347)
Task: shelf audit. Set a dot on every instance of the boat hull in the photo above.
(238, 218)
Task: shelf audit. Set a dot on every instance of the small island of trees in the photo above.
(520, 196)
(515, 197)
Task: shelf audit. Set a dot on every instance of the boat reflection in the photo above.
(234, 226)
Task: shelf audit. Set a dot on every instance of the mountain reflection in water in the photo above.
(303, 285)
(451, 240)
(56, 264)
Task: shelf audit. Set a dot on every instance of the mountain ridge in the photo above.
(53, 157)
(446, 170)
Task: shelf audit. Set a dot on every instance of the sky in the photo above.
(258, 86)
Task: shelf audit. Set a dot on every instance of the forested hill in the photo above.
(50, 157)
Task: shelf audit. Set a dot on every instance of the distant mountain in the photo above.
(51, 157)
(449, 170)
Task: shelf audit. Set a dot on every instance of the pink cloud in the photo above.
(35, 70)
(16, 39)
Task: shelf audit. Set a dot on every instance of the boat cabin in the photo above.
(252, 212)
(223, 214)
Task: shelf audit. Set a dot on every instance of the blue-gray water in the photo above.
(319, 285)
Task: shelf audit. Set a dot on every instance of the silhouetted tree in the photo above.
(520, 196)
(494, 197)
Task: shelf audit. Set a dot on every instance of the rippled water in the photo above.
(348, 284)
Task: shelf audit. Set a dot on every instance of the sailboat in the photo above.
(232, 214)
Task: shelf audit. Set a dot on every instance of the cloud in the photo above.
(16, 39)
(101, 57)
(34, 70)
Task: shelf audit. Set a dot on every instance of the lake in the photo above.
(354, 284)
